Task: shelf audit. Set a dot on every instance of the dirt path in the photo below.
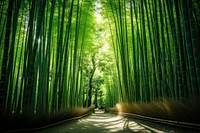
(100, 122)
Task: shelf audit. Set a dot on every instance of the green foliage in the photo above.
(155, 52)
(41, 62)
(56, 55)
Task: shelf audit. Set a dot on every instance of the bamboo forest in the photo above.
(62, 55)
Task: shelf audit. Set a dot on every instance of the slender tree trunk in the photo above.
(189, 48)
(4, 72)
(89, 102)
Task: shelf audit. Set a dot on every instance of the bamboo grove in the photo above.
(156, 44)
(45, 45)
(41, 49)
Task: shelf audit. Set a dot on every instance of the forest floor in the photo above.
(20, 123)
(187, 111)
(100, 122)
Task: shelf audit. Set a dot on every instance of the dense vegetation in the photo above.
(156, 44)
(61, 54)
(42, 46)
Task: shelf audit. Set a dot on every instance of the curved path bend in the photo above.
(100, 122)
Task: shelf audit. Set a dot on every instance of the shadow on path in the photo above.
(100, 122)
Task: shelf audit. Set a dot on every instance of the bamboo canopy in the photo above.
(59, 54)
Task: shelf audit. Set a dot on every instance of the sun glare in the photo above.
(98, 17)
(97, 12)
(104, 48)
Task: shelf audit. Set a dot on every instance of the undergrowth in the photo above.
(41, 119)
(187, 111)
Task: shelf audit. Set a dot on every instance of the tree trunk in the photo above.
(4, 73)
(90, 83)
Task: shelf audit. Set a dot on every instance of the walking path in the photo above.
(100, 122)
